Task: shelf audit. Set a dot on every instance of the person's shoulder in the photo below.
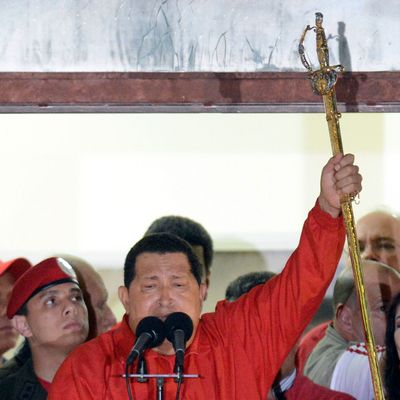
(11, 366)
(7, 387)
(323, 358)
(306, 387)
(309, 342)
(97, 346)
(352, 371)
(7, 382)
(20, 380)
(354, 362)
(316, 333)
(357, 353)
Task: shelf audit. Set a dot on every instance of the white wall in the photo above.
(91, 184)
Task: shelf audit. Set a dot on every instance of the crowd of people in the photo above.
(253, 346)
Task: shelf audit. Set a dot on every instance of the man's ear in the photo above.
(203, 291)
(20, 323)
(123, 295)
(344, 319)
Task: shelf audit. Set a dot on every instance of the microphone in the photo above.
(179, 329)
(150, 332)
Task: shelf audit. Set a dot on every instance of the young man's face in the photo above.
(163, 284)
(8, 335)
(57, 318)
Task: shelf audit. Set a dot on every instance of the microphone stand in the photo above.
(160, 388)
(142, 370)
(160, 379)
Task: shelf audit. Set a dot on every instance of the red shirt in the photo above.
(45, 384)
(237, 350)
(305, 389)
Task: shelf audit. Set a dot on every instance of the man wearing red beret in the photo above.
(46, 306)
(101, 317)
(10, 271)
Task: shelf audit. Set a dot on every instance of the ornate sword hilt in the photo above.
(324, 79)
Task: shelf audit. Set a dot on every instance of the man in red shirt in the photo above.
(238, 349)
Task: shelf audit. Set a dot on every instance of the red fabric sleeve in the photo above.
(268, 321)
(83, 375)
(304, 388)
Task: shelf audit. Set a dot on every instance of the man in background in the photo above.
(191, 231)
(101, 317)
(10, 271)
(329, 357)
(378, 235)
(379, 238)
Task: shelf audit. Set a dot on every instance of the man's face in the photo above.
(98, 296)
(379, 238)
(57, 318)
(381, 287)
(163, 284)
(8, 335)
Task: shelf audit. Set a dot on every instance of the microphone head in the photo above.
(178, 320)
(154, 327)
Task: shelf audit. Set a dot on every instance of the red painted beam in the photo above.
(143, 92)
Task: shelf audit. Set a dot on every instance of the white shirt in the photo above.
(352, 373)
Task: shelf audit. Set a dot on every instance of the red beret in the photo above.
(49, 272)
(15, 267)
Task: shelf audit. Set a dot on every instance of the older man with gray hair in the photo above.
(345, 335)
(379, 238)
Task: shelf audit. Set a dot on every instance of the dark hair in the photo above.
(392, 365)
(23, 310)
(160, 243)
(187, 229)
(244, 283)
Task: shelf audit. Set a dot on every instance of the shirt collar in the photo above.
(287, 382)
